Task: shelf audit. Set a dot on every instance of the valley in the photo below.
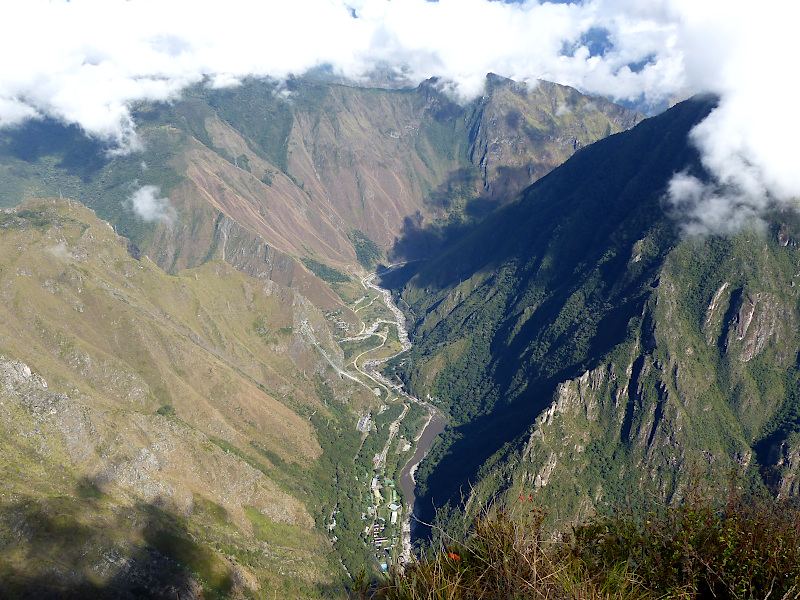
(399, 300)
(390, 540)
(241, 388)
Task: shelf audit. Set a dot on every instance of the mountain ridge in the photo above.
(557, 327)
(585, 350)
(314, 161)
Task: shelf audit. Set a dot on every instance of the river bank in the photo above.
(435, 425)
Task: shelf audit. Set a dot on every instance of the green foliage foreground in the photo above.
(747, 546)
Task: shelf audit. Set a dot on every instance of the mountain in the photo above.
(304, 169)
(161, 434)
(184, 361)
(588, 352)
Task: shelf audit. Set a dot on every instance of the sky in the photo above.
(86, 61)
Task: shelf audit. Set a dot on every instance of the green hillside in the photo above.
(588, 353)
(191, 403)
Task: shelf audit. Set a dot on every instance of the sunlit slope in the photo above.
(157, 417)
(302, 170)
(518, 135)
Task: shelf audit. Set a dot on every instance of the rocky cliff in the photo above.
(589, 352)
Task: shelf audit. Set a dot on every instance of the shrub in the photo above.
(747, 546)
(166, 411)
(744, 546)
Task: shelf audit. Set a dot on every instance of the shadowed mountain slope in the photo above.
(586, 351)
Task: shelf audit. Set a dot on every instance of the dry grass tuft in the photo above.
(747, 546)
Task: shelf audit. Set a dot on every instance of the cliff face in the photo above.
(588, 352)
(695, 389)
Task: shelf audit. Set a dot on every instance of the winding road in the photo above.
(436, 420)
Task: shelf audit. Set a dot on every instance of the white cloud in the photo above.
(85, 61)
(562, 110)
(13, 112)
(704, 208)
(747, 142)
(147, 205)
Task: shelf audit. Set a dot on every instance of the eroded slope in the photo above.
(156, 431)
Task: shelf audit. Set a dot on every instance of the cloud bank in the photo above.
(86, 61)
(747, 142)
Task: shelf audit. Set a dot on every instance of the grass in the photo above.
(504, 556)
(744, 546)
(144, 349)
(279, 534)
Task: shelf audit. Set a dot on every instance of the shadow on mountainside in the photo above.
(496, 430)
(574, 206)
(78, 154)
(551, 290)
(461, 211)
(85, 547)
(468, 447)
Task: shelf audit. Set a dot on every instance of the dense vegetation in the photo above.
(580, 342)
(540, 292)
(46, 159)
(325, 272)
(368, 253)
(746, 546)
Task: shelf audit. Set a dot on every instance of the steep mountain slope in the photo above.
(519, 135)
(303, 169)
(200, 427)
(160, 434)
(585, 350)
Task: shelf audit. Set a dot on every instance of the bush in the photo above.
(745, 546)
(166, 411)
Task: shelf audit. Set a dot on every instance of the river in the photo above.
(408, 483)
(435, 425)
